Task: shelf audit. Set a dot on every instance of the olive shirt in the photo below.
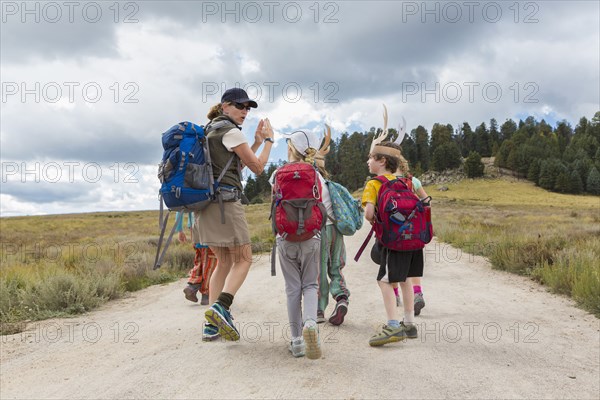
(221, 142)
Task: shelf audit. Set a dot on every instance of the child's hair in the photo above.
(311, 158)
(320, 161)
(392, 164)
(215, 111)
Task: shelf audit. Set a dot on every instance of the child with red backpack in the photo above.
(395, 265)
(299, 214)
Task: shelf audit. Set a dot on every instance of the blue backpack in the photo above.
(347, 210)
(186, 175)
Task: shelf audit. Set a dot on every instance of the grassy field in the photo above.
(59, 265)
(67, 264)
(554, 238)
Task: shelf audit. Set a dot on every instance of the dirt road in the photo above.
(483, 334)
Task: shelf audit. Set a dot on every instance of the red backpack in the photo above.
(402, 221)
(297, 212)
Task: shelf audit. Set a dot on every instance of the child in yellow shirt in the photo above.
(395, 266)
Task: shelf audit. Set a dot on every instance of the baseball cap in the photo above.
(303, 140)
(237, 95)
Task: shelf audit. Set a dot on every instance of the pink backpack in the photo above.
(402, 221)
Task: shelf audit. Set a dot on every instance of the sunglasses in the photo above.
(240, 106)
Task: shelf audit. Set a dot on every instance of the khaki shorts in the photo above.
(213, 233)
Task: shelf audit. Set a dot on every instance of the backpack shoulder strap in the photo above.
(211, 126)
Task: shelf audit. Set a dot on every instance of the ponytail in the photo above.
(215, 111)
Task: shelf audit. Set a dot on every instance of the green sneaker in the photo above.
(410, 330)
(210, 332)
(220, 317)
(312, 341)
(388, 335)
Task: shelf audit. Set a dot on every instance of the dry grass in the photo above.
(67, 264)
(555, 238)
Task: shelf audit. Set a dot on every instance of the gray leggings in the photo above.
(300, 267)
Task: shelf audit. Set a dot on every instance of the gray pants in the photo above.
(300, 267)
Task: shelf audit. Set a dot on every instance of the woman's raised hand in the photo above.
(258, 137)
(267, 129)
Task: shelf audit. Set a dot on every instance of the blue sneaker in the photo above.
(209, 332)
(218, 316)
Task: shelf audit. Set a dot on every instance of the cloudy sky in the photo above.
(88, 87)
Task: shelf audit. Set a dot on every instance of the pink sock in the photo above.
(396, 291)
(417, 289)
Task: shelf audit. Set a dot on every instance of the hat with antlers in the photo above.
(380, 137)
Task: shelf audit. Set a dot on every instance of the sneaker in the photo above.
(218, 316)
(410, 330)
(209, 332)
(419, 303)
(387, 335)
(398, 301)
(190, 294)
(339, 312)
(204, 300)
(311, 339)
(297, 347)
(320, 317)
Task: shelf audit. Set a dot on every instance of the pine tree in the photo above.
(575, 183)
(467, 139)
(440, 134)
(494, 136)
(534, 171)
(446, 156)
(593, 181)
(549, 171)
(562, 183)
(482, 141)
(473, 166)
(508, 128)
(250, 190)
(564, 133)
(422, 144)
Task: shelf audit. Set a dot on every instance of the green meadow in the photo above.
(60, 265)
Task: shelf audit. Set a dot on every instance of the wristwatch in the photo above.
(269, 140)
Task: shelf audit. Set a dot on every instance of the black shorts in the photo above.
(396, 266)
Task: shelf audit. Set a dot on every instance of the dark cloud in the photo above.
(46, 192)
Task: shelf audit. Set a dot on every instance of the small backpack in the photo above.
(402, 221)
(297, 211)
(186, 176)
(347, 211)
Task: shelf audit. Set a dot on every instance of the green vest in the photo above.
(219, 155)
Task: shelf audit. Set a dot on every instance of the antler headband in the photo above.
(388, 151)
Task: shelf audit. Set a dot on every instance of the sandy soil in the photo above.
(483, 334)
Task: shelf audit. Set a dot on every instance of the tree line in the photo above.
(561, 158)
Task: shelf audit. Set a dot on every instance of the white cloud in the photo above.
(175, 62)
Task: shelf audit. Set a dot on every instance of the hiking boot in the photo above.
(320, 317)
(312, 341)
(209, 332)
(388, 335)
(419, 303)
(190, 293)
(297, 347)
(340, 311)
(204, 300)
(410, 330)
(218, 316)
(398, 301)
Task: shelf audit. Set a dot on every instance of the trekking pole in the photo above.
(362, 248)
(158, 260)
